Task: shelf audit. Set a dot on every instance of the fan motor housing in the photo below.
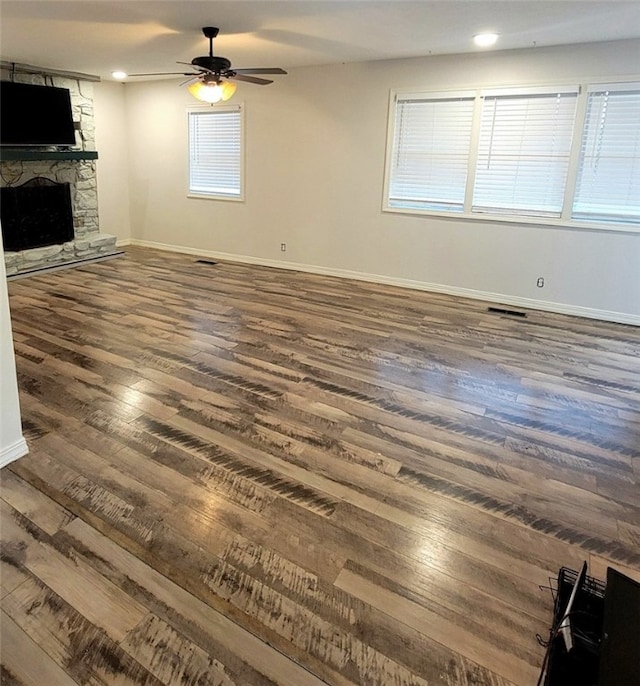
(212, 63)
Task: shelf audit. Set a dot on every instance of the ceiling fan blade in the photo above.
(195, 77)
(163, 73)
(198, 69)
(261, 70)
(249, 79)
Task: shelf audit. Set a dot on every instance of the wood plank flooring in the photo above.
(242, 475)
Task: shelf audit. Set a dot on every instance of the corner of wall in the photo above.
(12, 442)
(113, 161)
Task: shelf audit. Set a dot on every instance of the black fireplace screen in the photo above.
(36, 214)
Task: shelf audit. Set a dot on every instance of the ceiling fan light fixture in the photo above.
(485, 40)
(211, 91)
(206, 92)
(228, 89)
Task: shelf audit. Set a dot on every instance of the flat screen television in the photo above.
(33, 115)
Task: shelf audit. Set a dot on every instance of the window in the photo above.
(215, 152)
(430, 152)
(608, 187)
(523, 153)
(567, 155)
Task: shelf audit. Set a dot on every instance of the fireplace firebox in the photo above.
(36, 214)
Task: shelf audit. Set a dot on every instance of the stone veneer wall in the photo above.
(80, 174)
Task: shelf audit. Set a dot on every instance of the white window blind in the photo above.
(523, 152)
(430, 153)
(608, 185)
(215, 152)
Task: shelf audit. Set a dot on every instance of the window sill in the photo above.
(551, 222)
(206, 196)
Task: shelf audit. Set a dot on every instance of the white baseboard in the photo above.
(123, 242)
(528, 303)
(12, 452)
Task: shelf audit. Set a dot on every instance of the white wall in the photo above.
(314, 174)
(12, 443)
(112, 167)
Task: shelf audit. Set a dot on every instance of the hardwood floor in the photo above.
(242, 475)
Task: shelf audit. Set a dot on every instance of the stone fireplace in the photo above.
(36, 170)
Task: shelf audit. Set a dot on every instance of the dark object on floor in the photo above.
(501, 310)
(595, 637)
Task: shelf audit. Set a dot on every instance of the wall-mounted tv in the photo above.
(35, 115)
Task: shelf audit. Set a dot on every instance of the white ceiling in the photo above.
(98, 36)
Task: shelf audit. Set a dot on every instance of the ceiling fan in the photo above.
(212, 77)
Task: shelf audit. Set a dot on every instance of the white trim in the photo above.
(515, 91)
(12, 452)
(472, 162)
(388, 149)
(411, 96)
(604, 87)
(574, 161)
(211, 196)
(529, 303)
(556, 83)
(221, 106)
(530, 220)
(123, 242)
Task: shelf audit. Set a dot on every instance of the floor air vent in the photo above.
(205, 262)
(502, 310)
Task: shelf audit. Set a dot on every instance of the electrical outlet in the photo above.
(540, 282)
(283, 247)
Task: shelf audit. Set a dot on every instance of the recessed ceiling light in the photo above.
(485, 40)
(119, 75)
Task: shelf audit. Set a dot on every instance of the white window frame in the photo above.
(630, 185)
(392, 153)
(565, 219)
(513, 152)
(216, 195)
